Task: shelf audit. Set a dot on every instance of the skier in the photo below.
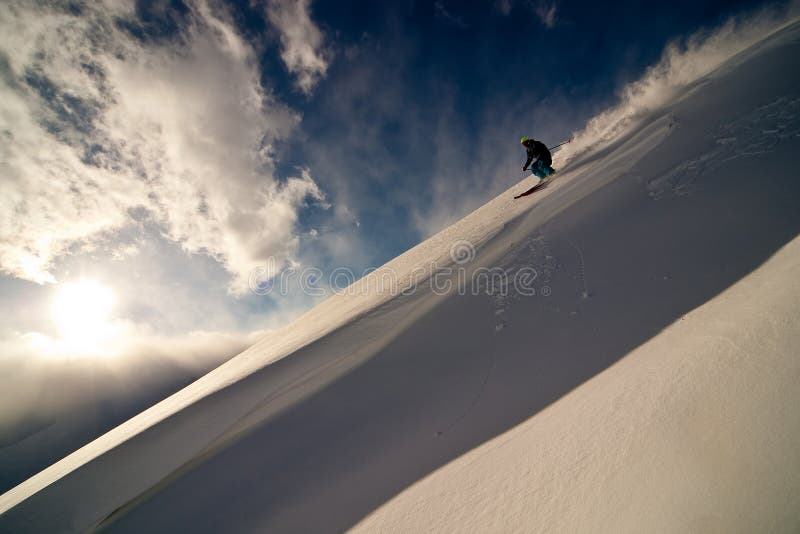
(539, 155)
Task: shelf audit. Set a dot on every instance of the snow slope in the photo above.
(648, 383)
(695, 431)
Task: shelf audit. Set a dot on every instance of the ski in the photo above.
(532, 189)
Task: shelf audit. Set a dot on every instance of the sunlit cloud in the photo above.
(546, 11)
(107, 123)
(303, 49)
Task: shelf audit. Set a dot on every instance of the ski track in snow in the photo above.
(533, 252)
(756, 133)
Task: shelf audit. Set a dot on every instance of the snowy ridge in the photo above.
(454, 371)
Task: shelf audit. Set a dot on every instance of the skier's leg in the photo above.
(538, 170)
(546, 169)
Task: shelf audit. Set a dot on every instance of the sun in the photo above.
(81, 312)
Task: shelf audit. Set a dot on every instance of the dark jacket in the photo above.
(537, 150)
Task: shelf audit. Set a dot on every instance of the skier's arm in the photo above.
(527, 161)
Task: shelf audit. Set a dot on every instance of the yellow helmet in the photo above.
(522, 141)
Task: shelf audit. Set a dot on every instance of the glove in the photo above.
(524, 169)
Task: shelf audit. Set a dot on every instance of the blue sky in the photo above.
(168, 151)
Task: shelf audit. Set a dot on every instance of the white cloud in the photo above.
(546, 11)
(100, 128)
(302, 47)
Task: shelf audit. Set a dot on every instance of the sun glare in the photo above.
(81, 312)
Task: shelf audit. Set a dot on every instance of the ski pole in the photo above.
(558, 145)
